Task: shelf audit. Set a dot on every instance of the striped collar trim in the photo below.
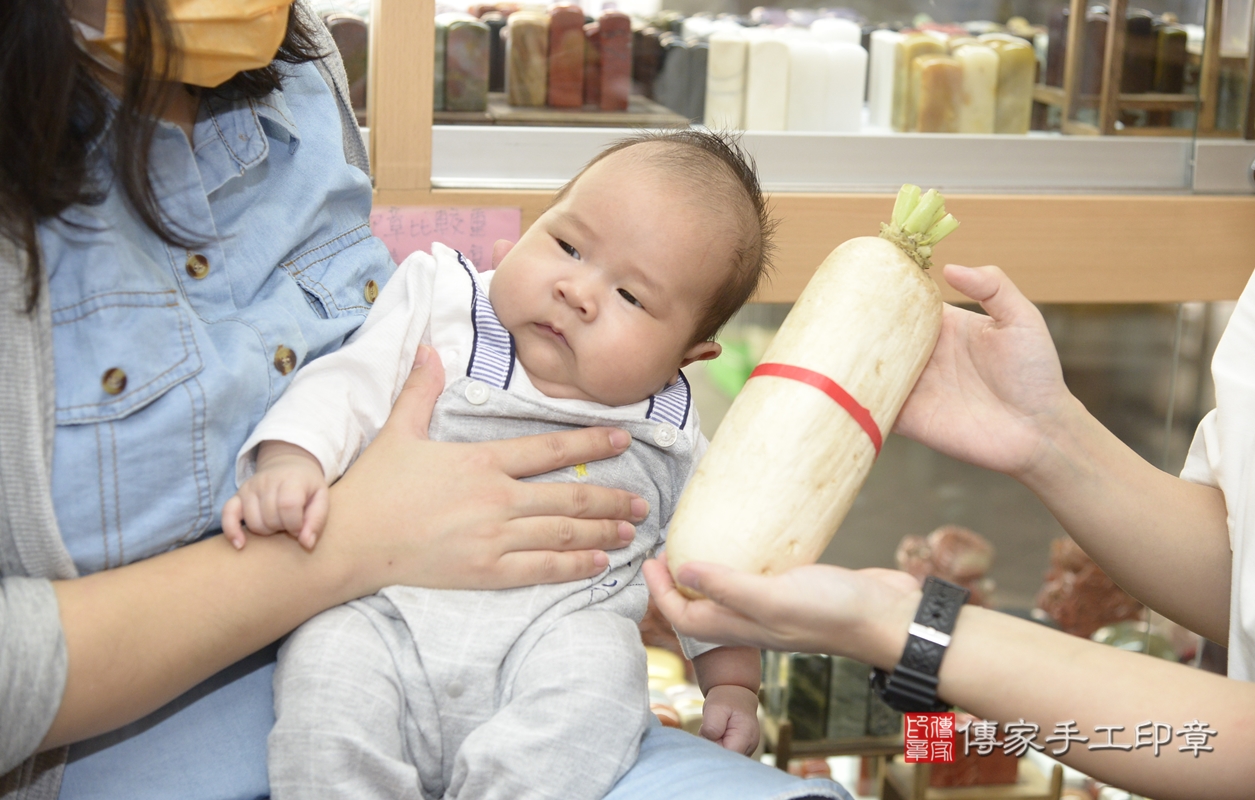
(492, 354)
(671, 404)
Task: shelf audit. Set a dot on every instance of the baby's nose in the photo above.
(577, 296)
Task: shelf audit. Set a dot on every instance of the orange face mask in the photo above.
(216, 39)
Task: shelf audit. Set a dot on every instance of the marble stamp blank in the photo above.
(466, 66)
(1017, 68)
(980, 88)
(938, 84)
(616, 60)
(592, 64)
(527, 58)
(671, 88)
(828, 29)
(725, 81)
(880, 67)
(495, 21)
(908, 48)
(767, 84)
(843, 98)
(808, 85)
(566, 56)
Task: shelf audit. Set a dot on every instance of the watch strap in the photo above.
(939, 607)
(912, 686)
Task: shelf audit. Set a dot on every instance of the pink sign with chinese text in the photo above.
(469, 229)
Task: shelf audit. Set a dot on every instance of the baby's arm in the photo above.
(334, 407)
(286, 493)
(730, 677)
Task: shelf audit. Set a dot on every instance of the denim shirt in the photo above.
(166, 358)
(143, 464)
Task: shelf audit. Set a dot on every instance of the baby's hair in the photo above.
(719, 171)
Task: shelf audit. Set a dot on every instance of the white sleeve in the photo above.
(336, 404)
(1204, 457)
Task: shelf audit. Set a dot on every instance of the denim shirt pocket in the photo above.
(130, 477)
(334, 288)
(149, 349)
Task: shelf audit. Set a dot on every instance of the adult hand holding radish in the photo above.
(793, 451)
(993, 389)
(993, 394)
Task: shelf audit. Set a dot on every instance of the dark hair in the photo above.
(724, 175)
(55, 110)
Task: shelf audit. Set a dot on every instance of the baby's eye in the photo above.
(626, 295)
(571, 251)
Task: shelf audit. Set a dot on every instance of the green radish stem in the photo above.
(919, 222)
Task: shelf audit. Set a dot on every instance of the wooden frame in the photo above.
(1058, 248)
(1110, 101)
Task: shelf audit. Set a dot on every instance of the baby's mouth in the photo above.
(552, 331)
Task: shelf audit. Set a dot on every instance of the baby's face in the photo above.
(603, 292)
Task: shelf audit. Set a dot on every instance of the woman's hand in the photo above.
(993, 391)
(445, 515)
(863, 614)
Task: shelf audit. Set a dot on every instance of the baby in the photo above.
(539, 691)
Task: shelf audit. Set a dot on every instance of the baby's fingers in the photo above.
(315, 519)
(254, 518)
(715, 721)
(290, 500)
(231, 518)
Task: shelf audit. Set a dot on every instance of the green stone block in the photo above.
(809, 679)
(848, 696)
(881, 719)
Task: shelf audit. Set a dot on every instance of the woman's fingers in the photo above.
(418, 396)
(567, 534)
(526, 567)
(990, 287)
(703, 619)
(535, 455)
(577, 500)
(740, 592)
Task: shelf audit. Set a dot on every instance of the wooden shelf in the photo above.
(641, 113)
(1148, 101)
(910, 782)
(1058, 248)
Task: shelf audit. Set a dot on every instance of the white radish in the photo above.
(795, 447)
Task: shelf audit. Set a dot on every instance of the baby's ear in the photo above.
(702, 351)
(499, 249)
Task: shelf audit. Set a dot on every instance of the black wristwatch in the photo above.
(912, 686)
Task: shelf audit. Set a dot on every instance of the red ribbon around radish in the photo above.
(829, 387)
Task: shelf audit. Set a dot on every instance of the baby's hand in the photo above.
(730, 718)
(286, 493)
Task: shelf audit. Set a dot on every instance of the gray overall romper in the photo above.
(536, 692)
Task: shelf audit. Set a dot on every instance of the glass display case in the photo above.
(1123, 208)
(1070, 217)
